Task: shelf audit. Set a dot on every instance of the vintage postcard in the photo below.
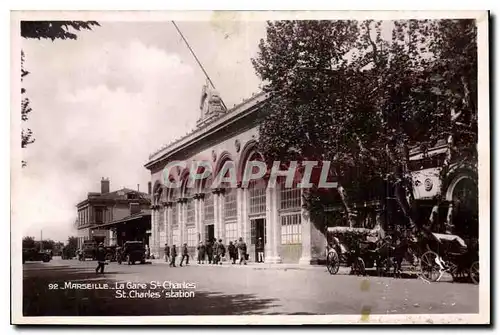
(250, 167)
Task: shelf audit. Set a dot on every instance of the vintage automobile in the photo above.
(133, 251)
(33, 254)
(87, 251)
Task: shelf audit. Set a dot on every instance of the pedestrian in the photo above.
(185, 254)
(221, 251)
(242, 250)
(201, 253)
(147, 251)
(167, 252)
(119, 255)
(260, 250)
(209, 251)
(173, 254)
(101, 258)
(215, 248)
(231, 250)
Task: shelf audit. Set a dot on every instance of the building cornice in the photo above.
(244, 109)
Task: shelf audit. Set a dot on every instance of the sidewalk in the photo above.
(261, 266)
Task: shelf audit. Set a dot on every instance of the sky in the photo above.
(103, 103)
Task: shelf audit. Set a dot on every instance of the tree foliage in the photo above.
(44, 30)
(341, 92)
(29, 242)
(72, 245)
(54, 29)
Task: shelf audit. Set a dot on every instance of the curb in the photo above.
(260, 266)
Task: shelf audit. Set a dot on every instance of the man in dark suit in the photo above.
(101, 258)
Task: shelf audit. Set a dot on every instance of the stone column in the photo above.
(273, 230)
(202, 218)
(239, 211)
(158, 234)
(216, 215)
(164, 231)
(306, 256)
(153, 230)
(222, 222)
(168, 223)
(245, 222)
(182, 223)
(196, 204)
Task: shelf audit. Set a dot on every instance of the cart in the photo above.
(449, 253)
(357, 248)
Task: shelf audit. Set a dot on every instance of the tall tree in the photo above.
(72, 244)
(47, 30)
(342, 93)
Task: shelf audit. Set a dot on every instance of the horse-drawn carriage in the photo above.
(449, 253)
(430, 256)
(360, 249)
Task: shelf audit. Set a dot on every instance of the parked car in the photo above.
(88, 251)
(33, 254)
(133, 251)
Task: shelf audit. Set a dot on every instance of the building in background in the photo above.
(109, 217)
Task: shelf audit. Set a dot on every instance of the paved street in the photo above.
(232, 290)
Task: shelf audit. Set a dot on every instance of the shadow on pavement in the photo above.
(39, 300)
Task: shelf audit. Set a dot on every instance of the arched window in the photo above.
(230, 215)
(189, 206)
(190, 216)
(290, 197)
(256, 189)
(257, 197)
(208, 204)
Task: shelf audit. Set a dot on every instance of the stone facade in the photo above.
(249, 211)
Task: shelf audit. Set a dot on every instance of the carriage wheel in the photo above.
(359, 266)
(474, 272)
(332, 262)
(428, 267)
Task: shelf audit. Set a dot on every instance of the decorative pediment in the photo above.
(211, 105)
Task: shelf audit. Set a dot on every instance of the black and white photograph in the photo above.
(239, 167)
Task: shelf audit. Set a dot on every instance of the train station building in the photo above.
(192, 214)
(252, 211)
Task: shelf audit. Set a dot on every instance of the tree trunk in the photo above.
(399, 190)
(350, 214)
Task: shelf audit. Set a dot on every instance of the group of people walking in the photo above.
(213, 252)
